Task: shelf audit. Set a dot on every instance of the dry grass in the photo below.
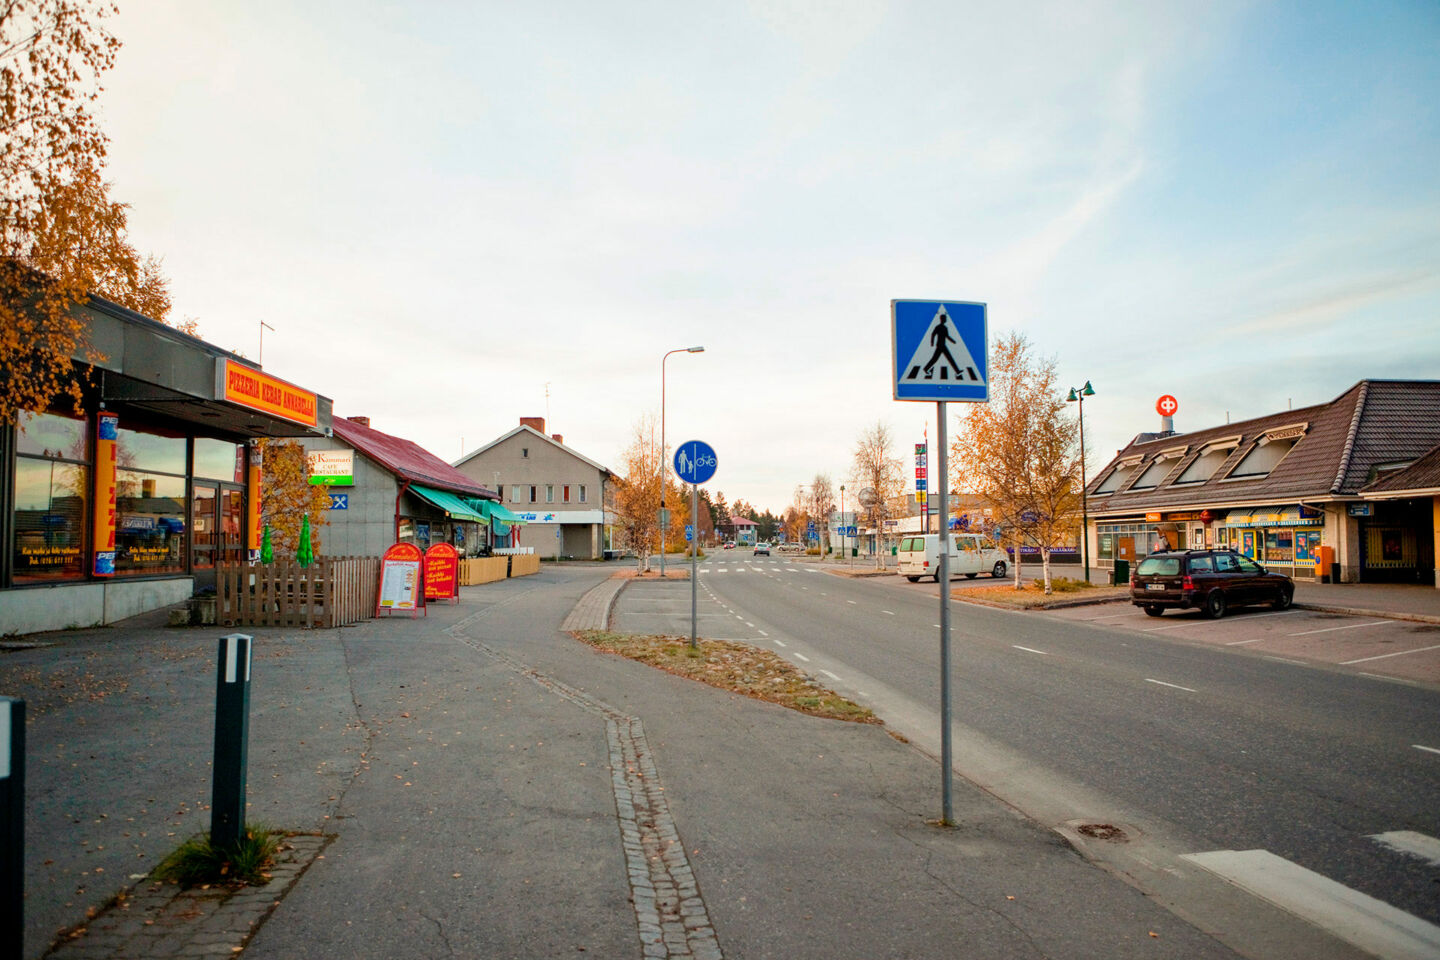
(737, 667)
(674, 570)
(1032, 594)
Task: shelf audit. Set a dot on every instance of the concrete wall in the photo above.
(33, 609)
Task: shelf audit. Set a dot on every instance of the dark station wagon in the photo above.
(1212, 580)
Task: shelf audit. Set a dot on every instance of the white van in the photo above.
(970, 555)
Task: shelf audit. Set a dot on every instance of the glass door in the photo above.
(203, 526)
(230, 544)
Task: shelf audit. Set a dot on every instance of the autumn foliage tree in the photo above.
(1019, 452)
(287, 496)
(877, 469)
(62, 238)
(637, 492)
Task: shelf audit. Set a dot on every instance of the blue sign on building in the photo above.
(939, 350)
(339, 501)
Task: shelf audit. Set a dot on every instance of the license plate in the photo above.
(1154, 586)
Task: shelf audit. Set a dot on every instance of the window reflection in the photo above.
(149, 523)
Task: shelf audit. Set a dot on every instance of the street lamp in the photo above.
(1079, 397)
(663, 458)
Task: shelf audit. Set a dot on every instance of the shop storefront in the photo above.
(128, 503)
(1284, 539)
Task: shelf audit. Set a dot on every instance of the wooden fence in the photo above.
(524, 564)
(483, 570)
(331, 592)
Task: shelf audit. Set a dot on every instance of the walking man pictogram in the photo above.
(941, 339)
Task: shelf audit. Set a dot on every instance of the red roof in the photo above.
(743, 522)
(407, 460)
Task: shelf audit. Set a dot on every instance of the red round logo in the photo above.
(1166, 406)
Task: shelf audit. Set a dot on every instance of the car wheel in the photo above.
(935, 577)
(913, 579)
(998, 571)
(1215, 605)
(1154, 610)
(1283, 599)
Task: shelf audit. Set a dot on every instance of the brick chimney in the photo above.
(534, 423)
(363, 421)
(557, 438)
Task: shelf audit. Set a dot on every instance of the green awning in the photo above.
(452, 504)
(502, 513)
(499, 517)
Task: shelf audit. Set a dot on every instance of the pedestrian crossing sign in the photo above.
(939, 350)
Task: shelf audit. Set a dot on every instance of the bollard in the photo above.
(12, 827)
(232, 735)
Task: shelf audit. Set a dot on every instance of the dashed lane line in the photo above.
(1412, 844)
(801, 656)
(1418, 746)
(779, 643)
(1386, 656)
(832, 676)
(888, 613)
(1175, 686)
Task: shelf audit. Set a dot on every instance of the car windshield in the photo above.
(1159, 567)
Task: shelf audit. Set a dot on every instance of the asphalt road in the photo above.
(1190, 748)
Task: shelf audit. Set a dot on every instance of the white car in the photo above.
(762, 549)
(970, 555)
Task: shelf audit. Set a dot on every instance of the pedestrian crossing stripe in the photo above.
(940, 343)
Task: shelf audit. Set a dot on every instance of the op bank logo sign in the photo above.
(939, 350)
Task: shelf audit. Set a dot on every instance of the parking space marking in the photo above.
(1386, 656)
(1175, 685)
(1174, 626)
(1241, 643)
(1411, 843)
(801, 656)
(1418, 746)
(1348, 626)
(1300, 663)
(1029, 650)
(1117, 616)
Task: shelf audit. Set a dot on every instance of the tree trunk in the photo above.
(1019, 553)
(1045, 562)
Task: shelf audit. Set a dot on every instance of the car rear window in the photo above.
(1159, 567)
(912, 543)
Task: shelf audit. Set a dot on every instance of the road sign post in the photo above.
(232, 735)
(695, 463)
(939, 352)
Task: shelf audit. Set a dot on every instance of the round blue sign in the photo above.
(695, 461)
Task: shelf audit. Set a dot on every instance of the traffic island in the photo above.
(1032, 595)
(737, 667)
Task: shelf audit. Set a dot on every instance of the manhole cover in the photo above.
(1103, 831)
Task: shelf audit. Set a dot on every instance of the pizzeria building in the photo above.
(127, 503)
(1295, 490)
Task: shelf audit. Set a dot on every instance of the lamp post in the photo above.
(664, 459)
(1078, 396)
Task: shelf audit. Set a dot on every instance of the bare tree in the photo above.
(1019, 452)
(879, 471)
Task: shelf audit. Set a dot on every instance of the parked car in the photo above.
(762, 549)
(970, 555)
(1212, 580)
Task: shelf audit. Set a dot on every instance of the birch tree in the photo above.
(637, 492)
(876, 468)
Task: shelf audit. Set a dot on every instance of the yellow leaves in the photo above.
(287, 496)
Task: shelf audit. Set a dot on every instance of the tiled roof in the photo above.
(407, 460)
(526, 428)
(1373, 423)
(1423, 474)
(742, 522)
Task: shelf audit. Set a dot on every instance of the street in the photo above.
(1102, 715)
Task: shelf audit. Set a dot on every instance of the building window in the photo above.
(1117, 478)
(582, 493)
(218, 460)
(549, 493)
(1157, 470)
(567, 493)
(1262, 458)
(52, 484)
(1203, 467)
(515, 493)
(532, 493)
(149, 522)
(525, 453)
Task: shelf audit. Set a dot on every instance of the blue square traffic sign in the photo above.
(939, 350)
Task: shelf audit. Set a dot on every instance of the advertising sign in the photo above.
(1167, 405)
(442, 572)
(107, 432)
(332, 468)
(247, 387)
(253, 532)
(400, 578)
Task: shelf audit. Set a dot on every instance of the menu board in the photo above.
(400, 578)
(442, 568)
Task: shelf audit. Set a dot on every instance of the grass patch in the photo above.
(197, 863)
(1032, 593)
(737, 667)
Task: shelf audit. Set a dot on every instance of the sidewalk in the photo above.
(490, 787)
(1402, 601)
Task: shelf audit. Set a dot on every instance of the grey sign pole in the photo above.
(694, 551)
(943, 489)
(12, 827)
(232, 735)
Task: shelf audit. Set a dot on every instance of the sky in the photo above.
(458, 214)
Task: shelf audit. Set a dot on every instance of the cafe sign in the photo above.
(247, 387)
(332, 468)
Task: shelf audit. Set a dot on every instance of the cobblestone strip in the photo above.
(670, 914)
(158, 919)
(592, 611)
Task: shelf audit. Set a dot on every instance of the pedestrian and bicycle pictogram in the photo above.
(939, 350)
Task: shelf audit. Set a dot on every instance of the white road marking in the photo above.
(1384, 656)
(738, 617)
(1029, 650)
(763, 633)
(937, 626)
(1411, 843)
(1175, 685)
(850, 601)
(1177, 626)
(1426, 749)
(811, 570)
(749, 624)
(801, 656)
(824, 594)
(1301, 663)
(1348, 626)
(1371, 925)
(831, 676)
(1118, 616)
(779, 643)
(1241, 643)
(888, 613)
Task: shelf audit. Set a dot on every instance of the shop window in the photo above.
(49, 520)
(52, 435)
(218, 460)
(549, 493)
(1262, 458)
(149, 523)
(582, 493)
(1203, 467)
(157, 450)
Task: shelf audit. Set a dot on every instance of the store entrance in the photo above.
(217, 514)
(1397, 545)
